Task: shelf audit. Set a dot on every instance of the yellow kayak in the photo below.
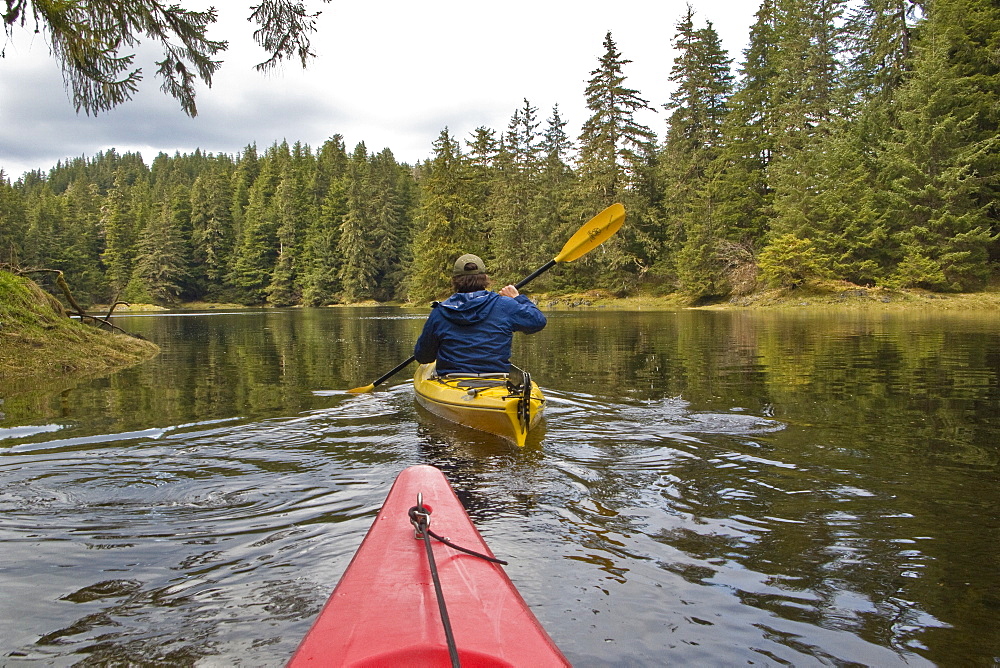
(503, 404)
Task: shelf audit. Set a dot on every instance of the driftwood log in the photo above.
(75, 309)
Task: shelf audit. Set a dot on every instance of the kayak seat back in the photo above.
(479, 383)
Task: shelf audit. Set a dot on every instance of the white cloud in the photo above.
(392, 74)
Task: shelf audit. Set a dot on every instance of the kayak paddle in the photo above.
(594, 232)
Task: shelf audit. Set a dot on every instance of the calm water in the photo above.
(708, 488)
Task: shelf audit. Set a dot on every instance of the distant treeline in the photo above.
(854, 140)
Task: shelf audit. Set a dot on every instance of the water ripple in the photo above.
(640, 532)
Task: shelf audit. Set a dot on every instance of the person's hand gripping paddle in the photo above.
(594, 232)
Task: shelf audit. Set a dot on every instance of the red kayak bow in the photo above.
(385, 611)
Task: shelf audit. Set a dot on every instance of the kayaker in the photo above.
(471, 331)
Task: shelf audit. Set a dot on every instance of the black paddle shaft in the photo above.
(535, 274)
(395, 370)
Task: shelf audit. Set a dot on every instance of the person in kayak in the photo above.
(471, 331)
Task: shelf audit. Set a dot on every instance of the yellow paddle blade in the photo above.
(597, 230)
(362, 390)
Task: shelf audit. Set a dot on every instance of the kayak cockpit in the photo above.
(508, 405)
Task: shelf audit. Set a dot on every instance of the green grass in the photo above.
(826, 294)
(39, 344)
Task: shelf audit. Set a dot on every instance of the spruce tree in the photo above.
(614, 147)
(293, 208)
(161, 265)
(740, 173)
(848, 200)
(321, 283)
(879, 37)
(703, 83)
(45, 240)
(512, 235)
(212, 222)
(808, 97)
(84, 245)
(257, 245)
(321, 264)
(552, 208)
(850, 183)
(483, 149)
(178, 198)
(388, 181)
(615, 165)
(246, 173)
(942, 158)
(483, 166)
(448, 221)
(358, 272)
(120, 216)
(331, 165)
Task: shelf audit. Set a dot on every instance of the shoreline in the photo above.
(835, 296)
(51, 350)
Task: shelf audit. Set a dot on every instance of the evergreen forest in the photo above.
(853, 140)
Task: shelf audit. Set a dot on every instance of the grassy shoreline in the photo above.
(813, 295)
(42, 348)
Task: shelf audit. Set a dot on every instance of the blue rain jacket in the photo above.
(471, 332)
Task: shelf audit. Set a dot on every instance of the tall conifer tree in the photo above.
(552, 210)
(44, 243)
(246, 172)
(512, 235)
(256, 251)
(742, 170)
(293, 208)
(120, 216)
(879, 37)
(703, 84)
(849, 184)
(212, 225)
(321, 282)
(449, 223)
(483, 164)
(943, 157)
(84, 245)
(161, 266)
(614, 146)
(808, 96)
(615, 165)
(389, 208)
(14, 227)
(358, 273)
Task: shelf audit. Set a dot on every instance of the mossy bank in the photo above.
(39, 345)
(813, 294)
(821, 294)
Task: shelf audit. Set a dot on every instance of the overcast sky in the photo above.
(392, 74)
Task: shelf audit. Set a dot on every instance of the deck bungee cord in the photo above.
(420, 518)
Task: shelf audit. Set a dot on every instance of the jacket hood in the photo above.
(467, 308)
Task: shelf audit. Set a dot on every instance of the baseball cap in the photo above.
(462, 267)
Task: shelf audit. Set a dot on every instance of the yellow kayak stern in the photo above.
(493, 403)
